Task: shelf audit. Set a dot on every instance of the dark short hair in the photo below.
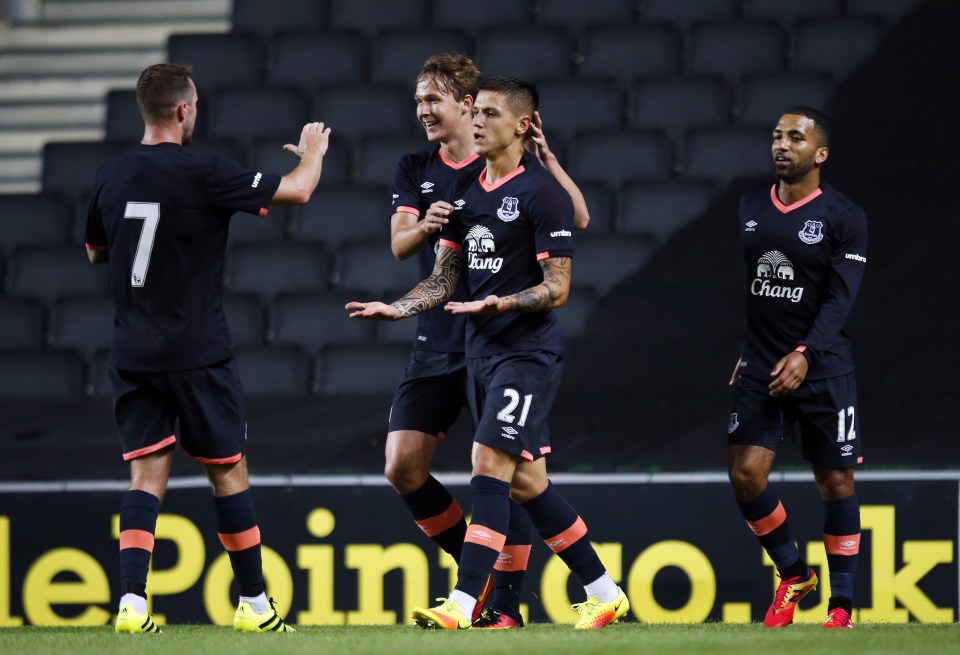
(522, 96)
(454, 73)
(160, 88)
(821, 123)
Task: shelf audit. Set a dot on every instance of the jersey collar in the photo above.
(784, 209)
(457, 165)
(503, 180)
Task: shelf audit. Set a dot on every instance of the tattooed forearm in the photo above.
(550, 293)
(434, 290)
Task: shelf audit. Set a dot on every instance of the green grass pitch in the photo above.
(536, 639)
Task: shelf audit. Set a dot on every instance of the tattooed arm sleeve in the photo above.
(549, 294)
(436, 289)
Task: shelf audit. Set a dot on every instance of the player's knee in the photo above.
(403, 477)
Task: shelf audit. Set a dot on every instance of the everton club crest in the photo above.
(509, 210)
(812, 232)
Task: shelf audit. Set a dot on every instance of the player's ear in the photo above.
(523, 125)
(822, 154)
(466, 105)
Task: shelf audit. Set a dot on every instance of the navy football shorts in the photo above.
(826, 411)
(432, 393)
(510, 398)
(207, 401)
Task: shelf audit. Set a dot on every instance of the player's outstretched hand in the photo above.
(489, 305)
(313, 136)
(376, 311)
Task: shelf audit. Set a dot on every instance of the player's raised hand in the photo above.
(313, 137)
(376, 311)
(436, 217)
(489, 305)
(537, 143)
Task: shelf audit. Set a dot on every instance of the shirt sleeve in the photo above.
(234, 187)
(406, 192)
(552, 214)
(848, 260)
(95, 232)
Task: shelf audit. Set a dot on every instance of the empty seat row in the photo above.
(731, 48)
(63, 374)
(375, 15)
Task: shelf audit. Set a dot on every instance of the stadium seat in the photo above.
(41, 374)
(245, 317)
(311, 321)
(356, 110)
(248, 228)
(836, 46)
(658, 209)
(612, 157)
(33, 219)
(366, 270)
(676, 104)
(530, 53)
(274, 371)
(342, 214)
(575, 314)
(736, 48)
(82, 323)
(724, 154)
(312, 60)
(400, 332)
(269, 269)
(123, 122)
(69, 167)
(602, 261)
(684, 12)
(476, 16)
(376, 157)
(48, 272)
(789, 11)
(764, 97)
(627, 53)
(398, 55)
(373, 368)
(373, 16)
(219, 60)
(22, 323)
(97, 381)
(575, 15)
(568, 106)
(267, 155)
(600, 205)
(891, 10)
(248, 112)
(276, 16)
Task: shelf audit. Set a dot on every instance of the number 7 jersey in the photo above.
(163, 215)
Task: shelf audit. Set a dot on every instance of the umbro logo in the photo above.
(256, 180)
(459, 203)
(427, 187)
(481, 534)
(751, 226)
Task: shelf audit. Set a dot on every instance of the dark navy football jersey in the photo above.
(504, 230)
(804, 264)
(421, 179)
(163, 213)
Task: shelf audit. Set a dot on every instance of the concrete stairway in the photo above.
(59, 58)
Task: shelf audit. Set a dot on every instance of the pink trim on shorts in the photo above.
(140, 452)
